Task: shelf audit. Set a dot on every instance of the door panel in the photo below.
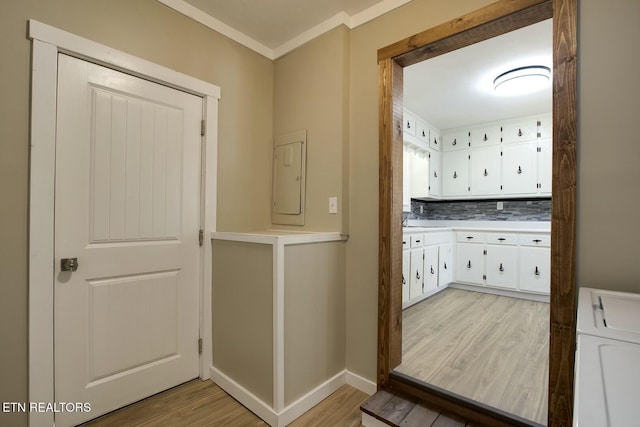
(127, 206)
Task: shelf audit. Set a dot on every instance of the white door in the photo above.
(127, 206)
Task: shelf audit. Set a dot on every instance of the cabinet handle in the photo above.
(435, 174)
(404, 282)
(485, 173)
(435, 141)
(445, 265)
(408, 124)
(455, 174)
(432, 272)
(418, 275)
(519, 170)
(469, 237)
(502, 239)
(423, 134)
(537, 240)
(519, 132)
(501, 269)
(469, 264)
(485, 137)
(537, 272)
(454, 141)
(417, 241)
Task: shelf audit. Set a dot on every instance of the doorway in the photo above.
(493, 20)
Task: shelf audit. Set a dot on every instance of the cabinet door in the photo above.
(422, 131)
(519, 169)
(535, 265)
(455, 140)
(485, 136)
(485, 171)
(502, 266)
(417, 273)
(420, 175)
(406, 180)
(430, 267)
(455, 173)
(445, 271)
(406, 272)
(520, 130)
(410, 123)
(435, 175)
(434, 139)
(470, 263)
(545, 168)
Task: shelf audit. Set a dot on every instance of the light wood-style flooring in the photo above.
(203, 403)
(488, 348)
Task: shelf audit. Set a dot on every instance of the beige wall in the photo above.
(149, 30)
(314, 316)
(609, 145)
(311, 92)
(242, 314)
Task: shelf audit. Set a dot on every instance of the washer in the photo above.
(607, 359)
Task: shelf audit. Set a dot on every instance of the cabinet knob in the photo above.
(418, 275)
(408, 124)
(485, 137)
(445, 265)
(455, 174)
(423, 134)
(519, 132)
(469, 264)
(501, 269)
(435, 174)
(432, 272)
(454, 141)
(485, 173)
(519, 170)
(537, 272)
(435, 141)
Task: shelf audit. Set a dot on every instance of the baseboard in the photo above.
(362, 384)
(297, 408)
(501, 292)
(244, 396)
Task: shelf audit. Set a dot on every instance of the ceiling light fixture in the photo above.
(522, 80)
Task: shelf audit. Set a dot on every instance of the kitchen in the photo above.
(476, 216)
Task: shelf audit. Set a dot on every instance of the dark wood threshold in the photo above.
(445, 401)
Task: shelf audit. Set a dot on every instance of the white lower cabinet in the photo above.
(445, 264)
(417, 272)
(470, 263)
(406, 274)
(535, 265)
(430, 268)
(502, 266)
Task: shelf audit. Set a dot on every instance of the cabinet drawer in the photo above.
(437, 238)
(405, 241)
(535, 240)
(417, 240)
(502, 239)
(470, 237)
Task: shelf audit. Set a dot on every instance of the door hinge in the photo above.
(203, 127)
(201, 237)
(484, 277)
(199, 345)
(539, 149)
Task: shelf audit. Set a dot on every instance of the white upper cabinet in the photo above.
(520, 130)
(435, 175)
(419, 175)
(485, 171)
(455, 173)
(484, 136)
(410, 123)
(435, 141)
(422, 131)
(455, 140)
(519, 169)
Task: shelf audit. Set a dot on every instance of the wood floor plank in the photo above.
(419, 417)
(444, 421)
(489, 348)
(396, 409)
(202, 403)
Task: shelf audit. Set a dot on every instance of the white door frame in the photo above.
(47, 42)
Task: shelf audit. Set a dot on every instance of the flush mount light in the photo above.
(522, 80)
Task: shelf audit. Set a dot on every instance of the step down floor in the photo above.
(386, 408)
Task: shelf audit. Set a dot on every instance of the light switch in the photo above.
(333, 205)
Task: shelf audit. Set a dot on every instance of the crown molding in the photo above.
(341, 18)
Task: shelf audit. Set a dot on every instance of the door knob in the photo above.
(69, 264)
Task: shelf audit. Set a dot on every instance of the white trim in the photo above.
(361, 383)
(340, 18)
(292, 411)
(209, 21)
(278, 326)
(369, 421)
(47, 43)
(500, 292)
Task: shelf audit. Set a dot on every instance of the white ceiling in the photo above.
(456, 89)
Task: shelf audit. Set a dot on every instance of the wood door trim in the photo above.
(497, 18)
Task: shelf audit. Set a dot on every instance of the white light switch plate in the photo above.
(333, 205)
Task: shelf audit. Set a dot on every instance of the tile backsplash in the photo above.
(481, 210)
